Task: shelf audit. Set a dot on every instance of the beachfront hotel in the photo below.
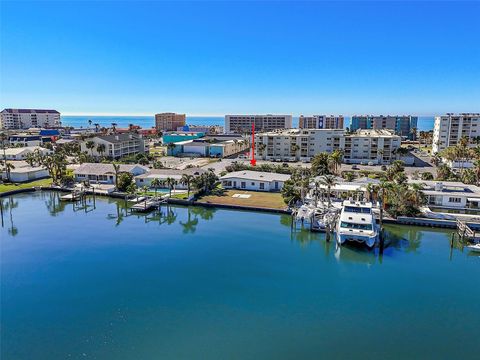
(169, 121)
(29, 118)
(402, 125)
(363, 146)
(450, 128)
(321, 122)
(243, 123)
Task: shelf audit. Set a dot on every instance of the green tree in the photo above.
(90, 145)
(187, 180)
(123, 181)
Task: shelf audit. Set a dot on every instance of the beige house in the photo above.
(116, 145)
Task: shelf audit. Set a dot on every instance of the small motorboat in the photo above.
(475, 247)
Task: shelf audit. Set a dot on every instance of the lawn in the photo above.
(17, 186)
(256, 199)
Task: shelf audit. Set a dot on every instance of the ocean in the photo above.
(425, 123)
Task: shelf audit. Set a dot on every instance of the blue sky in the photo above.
(213, 58)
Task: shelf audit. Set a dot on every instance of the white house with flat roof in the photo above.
(254, 180)
(105, 173)
(22, 172)
(20, 153)
(450, 194)
(163, 174)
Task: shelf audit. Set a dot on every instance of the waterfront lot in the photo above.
(246, 198)
(18, 186)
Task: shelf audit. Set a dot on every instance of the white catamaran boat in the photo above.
(357, 224)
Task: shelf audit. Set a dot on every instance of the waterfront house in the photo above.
(450, 194)
(163, 174)
(254, 180)
(116, 145)
(23, 172)
(20, 153)
(345, 189)
(105, 173)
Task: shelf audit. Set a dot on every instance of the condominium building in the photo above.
(115, 146)
(402, 125)
(243, 123)
(29, 118)
(169, 121)
(364, 146)
(450, 128)
(321, 122)
(296, 144)
(370, 146)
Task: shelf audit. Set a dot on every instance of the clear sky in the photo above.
(213, 58)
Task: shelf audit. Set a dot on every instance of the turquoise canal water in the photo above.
(195, 283)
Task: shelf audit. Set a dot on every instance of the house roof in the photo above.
(118, 138)
(21, 150)
(256, 175)
(102, 169)
(30, 111)
(174, 173)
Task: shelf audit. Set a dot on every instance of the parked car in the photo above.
(384, 168)
(355, 167)
(370, 163)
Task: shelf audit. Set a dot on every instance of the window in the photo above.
(454, 200)
(243, 184)
(262, 186)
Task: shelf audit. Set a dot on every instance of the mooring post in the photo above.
(1, 209)
(327, 227)
(382, 241)
(452, 238)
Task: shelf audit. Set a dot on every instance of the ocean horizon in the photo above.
(425, 123)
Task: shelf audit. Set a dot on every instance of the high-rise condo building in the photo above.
(169, 121)
(450, 128)
(320, 122)
(403, 125)
(29, 118)
(243, 123)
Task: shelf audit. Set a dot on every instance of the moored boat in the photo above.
(357, 224)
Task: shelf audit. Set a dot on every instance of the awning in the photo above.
(473, 199)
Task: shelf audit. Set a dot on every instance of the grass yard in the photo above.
(17, 186)
(256, 199)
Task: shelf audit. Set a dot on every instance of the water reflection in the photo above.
(190, 226)
(53, 203)
(6, 210)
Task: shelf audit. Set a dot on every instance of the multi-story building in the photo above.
(364, 146)
(321, 122)
(450, 128)
(116, 145)
(29, 118)
(243, 123)
(403, 125)
(296, 144)
(370, 146)
(169, 121)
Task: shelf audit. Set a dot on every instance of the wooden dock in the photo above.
(468, 231)
(73, 196)
(147, 205)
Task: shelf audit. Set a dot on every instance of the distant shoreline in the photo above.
(425, 123)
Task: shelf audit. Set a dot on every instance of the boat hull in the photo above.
(369, 241)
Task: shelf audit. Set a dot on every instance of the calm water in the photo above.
(204, 284)
(424, 122)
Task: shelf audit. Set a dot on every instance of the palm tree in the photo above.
(170, 182)
(101, 149)
(336, 159)
(170, 147)
(329, 181)
(90, 145)
(156, 183)
(114, 127)
(116, 170)
(261, 149)
(97, 127)
(317, 190)
(187, 180)
(8, 169)
(89, 122)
